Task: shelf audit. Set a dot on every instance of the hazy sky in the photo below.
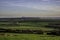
(35, 8)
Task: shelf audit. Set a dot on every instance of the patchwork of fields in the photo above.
(27, 26)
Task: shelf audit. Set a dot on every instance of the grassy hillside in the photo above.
(10, 36)
(26, 26)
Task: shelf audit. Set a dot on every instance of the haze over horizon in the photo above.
(29, 8)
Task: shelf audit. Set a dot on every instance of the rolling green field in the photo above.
(27, 25)
(10, 36)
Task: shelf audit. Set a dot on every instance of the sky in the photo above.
(29, 8)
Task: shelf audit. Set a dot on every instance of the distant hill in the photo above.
(31, 19)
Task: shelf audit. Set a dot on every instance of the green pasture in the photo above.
(10, 36)
(30, 26)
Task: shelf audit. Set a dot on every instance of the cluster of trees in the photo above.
(21, 31)
(54, 25)
(53, 32)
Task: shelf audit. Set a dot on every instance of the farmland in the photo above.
(10, 36)
(30, 26)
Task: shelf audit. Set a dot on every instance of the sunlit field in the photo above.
(12, 36)
(28, 26)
